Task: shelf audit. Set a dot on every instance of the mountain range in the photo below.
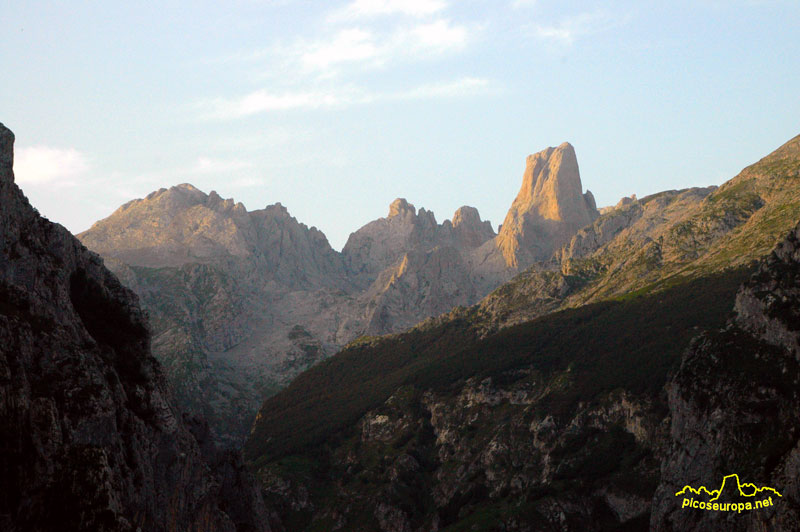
(240, 302)
(569, 398)
(572, 371)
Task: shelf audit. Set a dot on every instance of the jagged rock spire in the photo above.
(549, 208)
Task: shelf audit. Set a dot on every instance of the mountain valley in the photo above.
(549, 403)
(427, 377)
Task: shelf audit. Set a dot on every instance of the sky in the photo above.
(335, 109)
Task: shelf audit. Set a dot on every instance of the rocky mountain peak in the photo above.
(188, 187)
(401, 207)
(278, 209)
(551, 185)
(468, 228)
(466, 215)
(549, 208)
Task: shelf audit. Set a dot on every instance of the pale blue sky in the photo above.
(336, 108)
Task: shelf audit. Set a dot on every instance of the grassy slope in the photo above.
(740, 222)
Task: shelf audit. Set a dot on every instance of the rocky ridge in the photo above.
(650, 253)
(556, 423)
(549, 209)
(398, 270)
(92, 439)
(653, 242)
(734, 405)
(241, 301)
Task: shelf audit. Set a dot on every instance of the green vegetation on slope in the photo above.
(630, 344)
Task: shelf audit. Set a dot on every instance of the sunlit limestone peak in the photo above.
(549, 208)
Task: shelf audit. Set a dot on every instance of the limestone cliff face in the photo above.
(645, 243)
(382, 243)
(91, 437)
(226, 288)
(477, 459)
(413, 267)
(468, 229)
(424, 283)
(183, 225)
(240, 302)
(735, 405)
(549, 209)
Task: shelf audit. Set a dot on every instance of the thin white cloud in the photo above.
(347, 46)
(263, 101)
(440, 35)
(359, 47)
(569, 29)
(374, 8)
(327, 72)
(46, 165)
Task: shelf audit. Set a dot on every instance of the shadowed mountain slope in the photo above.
(91, 439)
(734, 405)
(468, 420)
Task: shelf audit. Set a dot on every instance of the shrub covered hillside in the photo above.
(557, 418)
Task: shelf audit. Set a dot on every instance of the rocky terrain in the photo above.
(603, 374)
(735, 405)
(234, 297)
(241, 302)
(544, 406)
(650, 243)
(91, 437)
(549, 209)
(556, 423)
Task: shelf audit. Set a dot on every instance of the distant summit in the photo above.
(549, 209)
(400, 207)
(242, 301)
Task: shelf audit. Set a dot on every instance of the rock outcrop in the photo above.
(91, 437)
(424, 283)
(382, 242)
(735, 407)
(413, 267)
(468, 229)
(647, 243)
(549, 209)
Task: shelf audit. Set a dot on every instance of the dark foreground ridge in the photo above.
(89, 436)
(735, 406)
(437, 427)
